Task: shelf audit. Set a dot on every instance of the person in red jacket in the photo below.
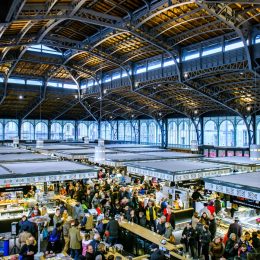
(211, 207)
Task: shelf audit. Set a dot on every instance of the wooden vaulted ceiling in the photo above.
(102, 35)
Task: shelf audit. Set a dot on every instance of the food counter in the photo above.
(12, 210)
(134, 233)
(70, 203)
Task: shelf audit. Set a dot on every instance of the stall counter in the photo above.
(151, 236)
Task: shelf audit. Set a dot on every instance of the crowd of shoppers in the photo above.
(113, 201)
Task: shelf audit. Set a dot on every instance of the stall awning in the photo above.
(21, 157)
(10, 150)
(44, 171)
(245, 185)
(233, 160)
(177, 170)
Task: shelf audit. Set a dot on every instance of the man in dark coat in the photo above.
(212, 227)
(235, 228)
(113, 230)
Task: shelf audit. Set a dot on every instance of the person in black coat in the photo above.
(113, 229)
(189, 238)
(205, 239)
(235, 228)
(212, 227)
(141, 219)
(157, 254)
(199, 231)
(101, 250)
(29, 249)
(231, 249)
(160, 228)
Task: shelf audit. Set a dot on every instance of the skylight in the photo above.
(55, 84)
(43, 49)
(116, 76)
(234, 45)
(154, 65)
(140, 70)
(16, 81)
(208, 51)
(90, 83)
(34, 82)
(124, 74)
(1, 79)
(71, 86)
(107, 79)
(168, 63)
(257, 38)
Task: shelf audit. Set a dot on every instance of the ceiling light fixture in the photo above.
(21, 97)
(186, 74)
(195, 111)
(76, 96)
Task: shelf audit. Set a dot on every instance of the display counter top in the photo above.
(65, 199)
(150, 236)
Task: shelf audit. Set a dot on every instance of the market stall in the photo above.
(243, 190)
(177, 170)
(120, 159)
(39, 173)
(79, 154)
(238, 163)
(139, 149)
(173, 155)
(11, 150)
(50, 149)
(23, 157)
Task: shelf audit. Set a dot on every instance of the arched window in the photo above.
(226, 134)
(210, 133)
(41, 131)
(257, 39)
(121, 131)
(68, 131)
(193, 133)
(82, 131)
(56, 131)
(27, 131)
(1, 131)
(258, 133)
(93, 131)
(143, 133)
(172, 133)
(242, 134)
(184, 133)
(108, 131)
(11, 130)
(128, 132)
(152, 133)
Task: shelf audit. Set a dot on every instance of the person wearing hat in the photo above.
(66, 227)
(235, 228)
